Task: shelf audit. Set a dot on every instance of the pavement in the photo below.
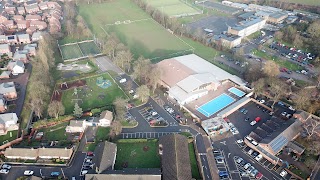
(105, 64)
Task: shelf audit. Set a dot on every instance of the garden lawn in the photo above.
(102, 134)
(194, 163)
(11, 135)
(89, 48)
(305, 2)
(94, 96)
(70, 51)
(144, 37)
(55, 133)
(132, 154)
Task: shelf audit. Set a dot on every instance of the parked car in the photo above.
(223, 173)
(249, 138)
(250, 151)
(254, 143)
(252, 123)
(28, 173)
(219, 161)
(259, 175)
(55, 174)
(123, 80)
(255, 154)
(4, 171)
(90, 153)
(239, 160)
(283, 173)
(239, 141)
(254, 172)
(83, 172)
(246, 166)
(247, 119)
(250, 169)
(259, 157)
(6, 166)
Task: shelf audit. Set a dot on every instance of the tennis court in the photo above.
(236, 92)
(215, 105)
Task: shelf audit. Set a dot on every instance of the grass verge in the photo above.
(194, 163)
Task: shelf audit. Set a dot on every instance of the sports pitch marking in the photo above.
(127, 22)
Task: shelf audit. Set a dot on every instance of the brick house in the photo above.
(19, 55)
(5, 75)
(9, 24)
(12, 39)
(8, 122)
(21, 10)
(32, 9)
(33, 17)
(24, 38)
(23, 24)
(40, 25)
(10, 9)
(53, 5)
(31, 30)
(3, 104)
(3, 39)
(3, 19)
(8, 90)
(17, 17)
(30, 3)
(43, 5)
(31, 49)
(4, 49)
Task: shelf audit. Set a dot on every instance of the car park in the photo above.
(4, 171)
(28, 173)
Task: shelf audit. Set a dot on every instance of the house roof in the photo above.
(173, 71)
(76, 123)
(12, 64)
(33, 6)
(7, 87)
(106, 115)
(296, 147)
(3, 37)
(33, 16)
(245, 24)
(175, 157)
(36, 35)
(17, 56)
(105, 156)
(4, 46)
(18, 17)
(123, 177)
(20, 8)
(8, 117)
(181, 95)
(5, 74)
(52, 152)
(21, 152)
(23, 36)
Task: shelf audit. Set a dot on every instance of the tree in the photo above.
(271, 69)
(111, 45)
(298, 41)
(143, 92)
(311, 126)
(120, 107)
(55, 108)
(115, 130)
(259, 87)
(310, 162)
(253, 73)
(277, 89)
(123, 60)
(141, 68)
(77, 111)
(303, 99)
(278, 35)
(154, 77)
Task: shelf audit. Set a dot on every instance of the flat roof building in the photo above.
(248, 27)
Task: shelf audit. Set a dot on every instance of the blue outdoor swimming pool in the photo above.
(215, 105)
(236, 92)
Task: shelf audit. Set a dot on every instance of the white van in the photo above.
(123, 80)
(254, 143)
(248, 138)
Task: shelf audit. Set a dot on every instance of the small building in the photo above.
(4, 49)
(175, 161)
(3, 39)
(8, 122)
(5, 75)
(18, 55)
(31, 49)
(8, 90)
(32, 9)
(23, 24)
(105, 157)
(76, 126)
(16, 67)
(21, 153)
(24, 38)
(106, 118)
(55, 153)
(40, 25)
(3, 104)
(21, 10)
(215, 126)
(227, 40)
(12, 39)
(34, 17)
(43, 5)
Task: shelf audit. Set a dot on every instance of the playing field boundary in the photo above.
(128, 21)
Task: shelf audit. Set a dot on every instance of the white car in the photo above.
(254, 143)
(88, 160)
(262, 101)
(123, 80)
(83, 172)
(246, 166)
(239, 141)
(4, 171)
(6, 166)
(131, 91)
(250, 151)
(259, 157)
(291, 108)
(283, 173)
(28, 173)
(252, 123)
(220, 161)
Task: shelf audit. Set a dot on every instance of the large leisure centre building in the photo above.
(201, 87)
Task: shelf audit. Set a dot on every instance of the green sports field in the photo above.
(143, 35)
(89, 48)
(70, 51)
(306, 2)
(173, 7)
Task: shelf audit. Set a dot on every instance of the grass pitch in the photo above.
(143, 35)
(173, 7)
(89, 48)
(70, 51)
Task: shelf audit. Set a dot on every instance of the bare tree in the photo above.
(141, 68)
(302, 99)
(311, 126)
(115, 130)
(271, 69)
(143, 92)
(154, 77)
(55, 109)
(277, 89)
(259, 87)
(111, 45)
(120, 107)
(253, 73)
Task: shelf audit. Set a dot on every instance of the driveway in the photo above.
(23, 81)
(105, 64)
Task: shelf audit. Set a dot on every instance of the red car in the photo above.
(90, 153)
(259, 175)
(258, 119)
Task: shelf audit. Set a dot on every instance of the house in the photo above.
(24, 38)
(76, 126)
(3, 19)
(54, 25)
(18, 55)
(175, 161)
(3, 104)
(23, 24)
(5, 75)
(105, 157)
(35, 17)
(122, 176)
(17, 18)
(21, 153)
(12, 39)
(4, 49)
(43, 5)
(3, 39)
(106, 118)
(55, 153)
(16, 67)
(53, 5)
(40, 25)
(32, 9)
(8, 122)
(31, 30)
(10, 9)
(36, 36)
(190, 77)
(21, 10)
(31, 49)
(9, 24)
(29, 3)
(8, 90)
